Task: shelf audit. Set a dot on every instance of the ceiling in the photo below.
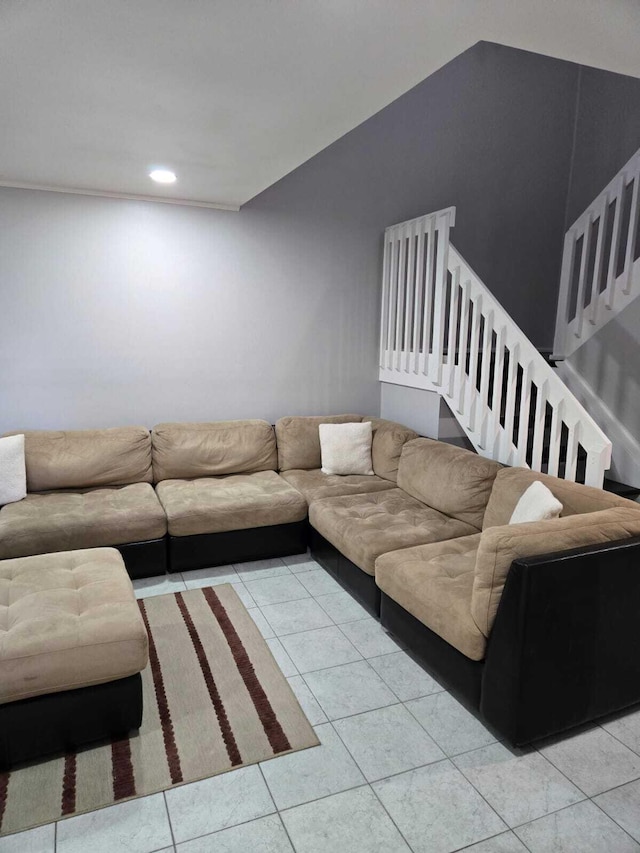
(234, 94)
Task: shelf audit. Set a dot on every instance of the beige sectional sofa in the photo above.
(534, 625)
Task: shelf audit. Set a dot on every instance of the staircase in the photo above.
(601, 262)
(442, 330)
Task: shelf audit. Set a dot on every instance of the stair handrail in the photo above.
(441, 326)
(600, 272)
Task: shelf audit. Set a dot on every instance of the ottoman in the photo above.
(72, 646)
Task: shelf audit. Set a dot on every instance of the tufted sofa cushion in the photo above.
(236, 502)
(89, 518)
(435, 584)
(67, 620)
(362, 527)
(315, 485)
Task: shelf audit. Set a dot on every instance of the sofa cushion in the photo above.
(299, 439)
(500, 546)
(388, 440)
(183, 451)
(87, 458)
(511, 483)
(451, 479)
(315, 484)
(67, 620)
(434, 583)
(364, 526)
(87, 518)
(234, 502)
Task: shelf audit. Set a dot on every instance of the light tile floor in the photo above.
(402, 765)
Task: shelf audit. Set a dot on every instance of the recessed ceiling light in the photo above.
(163, 176)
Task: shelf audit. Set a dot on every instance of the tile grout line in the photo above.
(553, 811)
(277, 810)
(388, 814)
(166, 806)
(606, 814)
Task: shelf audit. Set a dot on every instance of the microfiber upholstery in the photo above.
(500, 546)
(184, 450)
(298, 439)
(78, 459)
(362, 527)
(388, 440)
(434, 583)
(315, 485)
(234, 502)
(67, 620)
(450, 479)
(511, 483)
(86, 518)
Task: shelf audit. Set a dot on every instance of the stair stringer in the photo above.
(625, 462)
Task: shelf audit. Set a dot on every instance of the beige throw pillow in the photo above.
(537, 503)
(346, 448)
(13, 471)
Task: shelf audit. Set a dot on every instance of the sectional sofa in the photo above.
(533, 625)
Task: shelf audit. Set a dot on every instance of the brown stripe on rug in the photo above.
(69, 784)
(168, 734)
(181, 736)
(124, 784)
(216, 700)
(270, 722)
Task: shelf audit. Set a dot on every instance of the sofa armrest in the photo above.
(564, 645)
(500, 546)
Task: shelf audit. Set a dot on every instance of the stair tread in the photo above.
(621, 489)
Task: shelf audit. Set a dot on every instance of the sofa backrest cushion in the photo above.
(76, 459)
(299, 439)
(183, 451)
(512, 483)
(388, 440)
(450, 479)
(500, 546)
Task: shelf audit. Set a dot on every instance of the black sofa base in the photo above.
(361, 585)
(237, 546)
(145, 559)
(454, 670)
(61, 722)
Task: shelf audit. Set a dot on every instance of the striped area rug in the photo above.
(214, 699)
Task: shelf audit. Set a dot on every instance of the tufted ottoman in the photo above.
(72, 646)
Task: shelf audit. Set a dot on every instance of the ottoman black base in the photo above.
(58, 722)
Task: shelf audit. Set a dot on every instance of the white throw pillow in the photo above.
(13, 471)
(346, 448)
(538, 503)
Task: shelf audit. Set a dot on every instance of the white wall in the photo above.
(115, 312)
(413, 407)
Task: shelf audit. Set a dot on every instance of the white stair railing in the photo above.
(443, 330)
(600, 264)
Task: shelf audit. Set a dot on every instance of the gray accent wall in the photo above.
(607, 134)
(115, 311)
